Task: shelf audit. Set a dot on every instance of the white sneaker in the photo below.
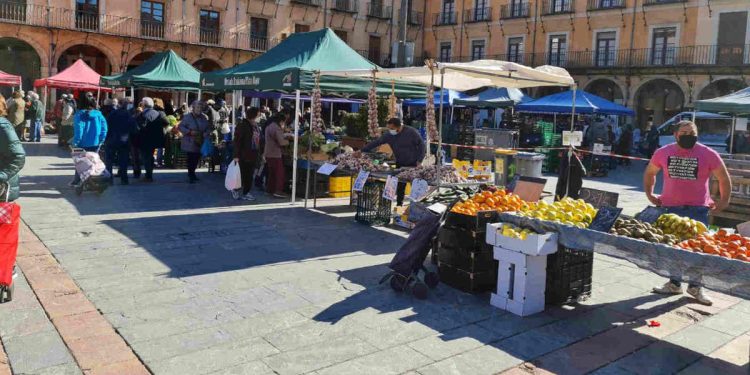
(248, 197)
(668, 288)
(700, 296)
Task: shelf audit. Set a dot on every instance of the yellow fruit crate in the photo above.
(340, 187)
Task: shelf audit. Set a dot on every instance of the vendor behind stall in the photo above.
(687, 167)
(408, 149)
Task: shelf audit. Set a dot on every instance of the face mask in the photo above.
(687, 141)
(393, 132)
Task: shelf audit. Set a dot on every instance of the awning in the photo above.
(585, 103)
(736, 103)
(7, 79)
(448, 99)
(164, 71)
(78, 76)
(494, 98)
(304, 98)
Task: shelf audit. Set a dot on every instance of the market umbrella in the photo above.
(448, 98)
(737, 103)
(584, 103)
(7, 79)
(163, 71)
(77, 76)
(494, 97)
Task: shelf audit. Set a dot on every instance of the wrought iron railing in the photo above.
(478, 15)
(313, 3)
(605, 4)
(414, 18)
(378, 10)
(659, 2)
(551, 7)
(347, 6)
(514, 10)
(68, 19)
(445, 18)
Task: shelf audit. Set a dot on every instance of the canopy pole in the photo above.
(570, 147)
(234, 112)
(731, 134)
(330, 124)
(132, 94)
(693, 115)
(98, 94)
(296, 145)
(438, 161)
(451, 119)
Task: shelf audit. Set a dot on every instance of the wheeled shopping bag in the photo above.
(10, 214)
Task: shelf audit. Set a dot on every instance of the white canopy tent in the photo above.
(470, 76)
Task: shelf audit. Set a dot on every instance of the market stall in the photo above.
(78, 76)
(7, 79)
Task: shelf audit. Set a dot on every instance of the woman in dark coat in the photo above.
(246, 147)
(12, 159)
(151, 126)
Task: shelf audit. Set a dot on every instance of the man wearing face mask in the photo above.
(687, 167)
(408, 149)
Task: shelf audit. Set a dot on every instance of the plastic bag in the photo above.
(207, 149)
(233, 180)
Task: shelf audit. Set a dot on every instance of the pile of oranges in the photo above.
(721, 243)
(498, 200)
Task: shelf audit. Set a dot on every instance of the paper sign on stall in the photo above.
(327, 169)
(418, 189)
(391, 185)
(529, 188)
(740, 124)
(598, 149)
(744, 229)
(574, 138)
(359, 183)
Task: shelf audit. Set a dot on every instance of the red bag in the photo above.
(10, 214)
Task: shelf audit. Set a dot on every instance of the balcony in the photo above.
(553, 7)
(660, 2)
(605, 4)
(478, 15)
(67, 19)
(345, 6)
(414, 18)
(514, 10)
(312, 3)
(378, 10)
(445, 18)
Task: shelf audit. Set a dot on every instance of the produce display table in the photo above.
(717, 273)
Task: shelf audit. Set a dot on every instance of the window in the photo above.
(517, 8)
(604, 4)
(342, 34)
(515, 50)
(301, 28)
(557, 50)
(87, 14)
(481, 10)
(559, 6)
(477, 49)
(373, 52)
(663, 45)
(209, 28)
(448, 15)
(606, 48)
(258, 33)
(152, 19)
(445, 51)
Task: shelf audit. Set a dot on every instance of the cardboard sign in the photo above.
(419, 189)
(574, 138)
(391, 185)
(605, 219)
(650, 214)
(599, 198)
(598, 149)
(361, 180)
(740, 124)
(744, 229)
(529, 188)
(327, 169)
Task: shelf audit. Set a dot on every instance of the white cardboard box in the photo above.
(534, 244)
(521, 282)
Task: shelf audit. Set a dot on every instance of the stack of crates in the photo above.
(465, 260)
(340, 186)
(569, 273)
(549, 140)
(174, 157)
(465, 138)
(372, 208)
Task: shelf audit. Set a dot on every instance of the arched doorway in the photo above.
(720, 88)
(206, 65)
(658, 100)
(19, 58)
(606, 89)
(139, 59)
(93, 56)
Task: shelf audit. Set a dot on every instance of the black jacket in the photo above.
(151, 127)
(122, 127)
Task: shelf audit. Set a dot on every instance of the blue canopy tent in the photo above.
(447, 98)
(494, 98)
(585, 103)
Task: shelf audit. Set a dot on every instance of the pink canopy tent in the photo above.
(7, 79)
(78, 76)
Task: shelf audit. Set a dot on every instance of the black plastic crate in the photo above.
(480, 259)
(460, 238)
(476, 223)
(471, 282)
(569, 273)
(372, 208)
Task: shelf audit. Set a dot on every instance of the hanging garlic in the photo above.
(372, 110)
(392, 102)
(432, 130)
(316, 122)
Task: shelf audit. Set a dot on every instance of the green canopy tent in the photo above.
(292, 66)
(164, 71)
(737, 103)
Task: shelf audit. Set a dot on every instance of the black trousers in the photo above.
(193, 158)
(247, 168)
(135, 157)
(119, 154)
(147, 158)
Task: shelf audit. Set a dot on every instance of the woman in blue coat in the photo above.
(89, 129)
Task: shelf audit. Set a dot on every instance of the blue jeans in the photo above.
(119, 154)
(697, 213)
(36, 131)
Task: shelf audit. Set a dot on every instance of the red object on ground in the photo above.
(9, 246)
(654, 323)
(77, 76)
(7, 79)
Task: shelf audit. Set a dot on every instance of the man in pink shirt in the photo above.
(687, 167)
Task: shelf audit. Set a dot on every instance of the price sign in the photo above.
(574, 138)
(598, 149)
(529, 188)
(359, 183)
(605, 219)
(599, 198)
(650, 214)
(391, 185)
(418, 189)
(740, 124)
(327, 169)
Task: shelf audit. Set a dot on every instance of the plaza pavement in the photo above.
(172, 278)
